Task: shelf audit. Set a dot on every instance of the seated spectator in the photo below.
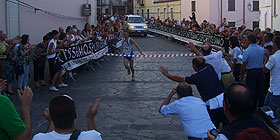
(192, 111)
(11, 125)
(238, 110)
(61, 115)
(253, 134)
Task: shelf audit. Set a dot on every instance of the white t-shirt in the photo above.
(85, 135)
(235, 53)
(274, 66)
(53, 49)
(193, 114)
(216, 60)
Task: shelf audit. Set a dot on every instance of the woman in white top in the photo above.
(55, 68)
(236, 61)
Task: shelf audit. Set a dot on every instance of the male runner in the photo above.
(128, 50)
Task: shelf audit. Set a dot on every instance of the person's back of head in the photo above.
(252, 38)
(62, 112)
(253, 134)
(198, 63)
(269, 36)
(237, 99)
(184, 90)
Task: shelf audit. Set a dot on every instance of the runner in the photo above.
(128, 50)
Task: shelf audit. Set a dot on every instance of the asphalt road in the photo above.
(128, 109)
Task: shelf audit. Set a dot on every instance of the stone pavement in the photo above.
(128, 109)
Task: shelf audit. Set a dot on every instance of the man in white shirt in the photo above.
(272, 65)
(191, 110)
(61, 115)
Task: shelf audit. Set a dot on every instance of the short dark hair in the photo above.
(50, 34)
(277, 41)
(237, 98)
(269, 35)
(54, 32)
(184, 90)
(234, 42)
(252, 38)
(240, 28)
(208, 51)
(199, 62)
(24, 39)
(61, 36)
(46, 37)
(62, 112)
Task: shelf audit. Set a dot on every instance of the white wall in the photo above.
(265, 14)
(2, 15)
(276, 19)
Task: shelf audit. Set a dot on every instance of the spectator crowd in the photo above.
(233, 82)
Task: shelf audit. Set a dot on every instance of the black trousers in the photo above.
(255, 81)
(39, 69)
(236, 72)
(217, 116)
(266, 82)
(52, 67)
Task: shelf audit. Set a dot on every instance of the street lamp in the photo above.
(249, 6)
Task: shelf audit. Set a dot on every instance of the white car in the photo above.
(135, 24)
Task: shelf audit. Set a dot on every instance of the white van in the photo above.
(135, 24)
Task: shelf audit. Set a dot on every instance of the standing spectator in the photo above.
(238, 110)
(87, 30)
(12, 126)
(3, 51)
(268, 44)
(273, 66)
(60, 30)
(39, 61)
(191, 110)
(208, 85)
(23, 61)
(61, 115)
(192, 18)
(225, 22)
(253, 62)
(236, 60)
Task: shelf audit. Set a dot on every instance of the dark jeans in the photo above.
(39, 69)
(217, 116)
(52, 67)
(255, 82)
(273, 101)
(236, 72)
(266, 82)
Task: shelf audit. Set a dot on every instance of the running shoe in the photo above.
(133, 78)
(53, 88)
(62, 85)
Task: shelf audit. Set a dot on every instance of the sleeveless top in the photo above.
(127, 47)
(49, 56)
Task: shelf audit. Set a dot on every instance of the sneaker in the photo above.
(133, 78)
(128, 71)
(53, 88)
(62, 85)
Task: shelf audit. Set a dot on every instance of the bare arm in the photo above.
(40, 52)
(92, 112)
(267, 54)
(242, 71)
(193, 48)
(221, 49)
(136, 45)
(167, 100)
(171, 77)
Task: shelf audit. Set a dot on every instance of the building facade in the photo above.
(161, 9)
(121, 7)
(237, 12)
(41, 17)
(269, 14)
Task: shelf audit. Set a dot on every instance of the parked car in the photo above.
(135, 24)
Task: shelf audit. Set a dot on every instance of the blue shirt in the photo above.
(193, 114)
(255, 56)
(207, 83)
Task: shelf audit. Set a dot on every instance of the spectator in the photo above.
(272, 65)
(253, 62)
(192, 18)
(253, 134)
(87, 30)
(3, 51)
(208, 85)
(236, 60)
(238, 110)
(39, 61)
(23, 61)
(61, 115)
(225, 22)
(191, 110)
(60, 30)
(268, 43)
(12, 126)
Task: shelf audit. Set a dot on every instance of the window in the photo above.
(171, 13)
(193, 6)
(231, 24)
(256, 5)
(148, 13)
(158, 13)
(231, 5)
(142, 13)
(137, 12)
(164, 13)
(255, 24)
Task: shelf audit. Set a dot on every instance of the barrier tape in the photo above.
(140, 55)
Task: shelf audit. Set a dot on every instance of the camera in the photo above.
(214, 132)
(270, 118)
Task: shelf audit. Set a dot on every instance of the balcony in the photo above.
(141, 2)
(158, 1)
